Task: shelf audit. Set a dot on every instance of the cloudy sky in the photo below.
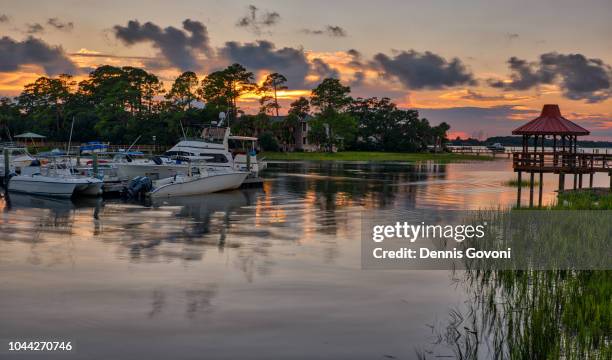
(484, 66)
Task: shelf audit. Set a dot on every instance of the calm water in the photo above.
(266, 273)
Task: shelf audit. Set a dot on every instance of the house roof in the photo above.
(550, 122)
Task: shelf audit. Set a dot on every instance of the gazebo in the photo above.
(564, 157)
(31, 136)
(551, 123)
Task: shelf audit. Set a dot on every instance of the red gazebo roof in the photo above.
(550, 122)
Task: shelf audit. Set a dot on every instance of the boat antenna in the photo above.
(183, 129)
(134, 143)
(70, 138)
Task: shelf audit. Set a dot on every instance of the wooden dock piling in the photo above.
(520, 186)
(540, 188)
(531, 176)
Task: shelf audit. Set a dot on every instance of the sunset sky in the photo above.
(484, 66)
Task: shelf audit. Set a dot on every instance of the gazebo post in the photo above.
(563, 142)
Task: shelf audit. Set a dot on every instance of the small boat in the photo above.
(53, 181)
(497, 147)
(18, 158)
(201, 181)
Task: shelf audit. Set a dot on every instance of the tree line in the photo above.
(119, 104)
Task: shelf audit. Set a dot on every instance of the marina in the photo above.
(305, 180)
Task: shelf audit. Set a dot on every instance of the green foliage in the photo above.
(384, 127)
(584, 200)
(251, 125)
(118, 104)
(331, 95)
(300, 108)
(184, 90)
(269, 89)
(268, 142)
(223, 88)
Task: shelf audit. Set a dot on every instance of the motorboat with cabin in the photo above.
(223, 150)
(216, 148)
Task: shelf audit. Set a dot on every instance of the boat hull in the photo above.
(204, 185)
(41, 186)
(90, 189)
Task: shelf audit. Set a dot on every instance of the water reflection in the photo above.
(258, 273)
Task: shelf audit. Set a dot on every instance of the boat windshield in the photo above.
(215, 135)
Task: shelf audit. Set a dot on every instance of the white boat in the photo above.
(130, 166)
(216, 147)
(18, 158)
(53, 182)
(202, 182)
(222, 150)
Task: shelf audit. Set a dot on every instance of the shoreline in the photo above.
(360, 156)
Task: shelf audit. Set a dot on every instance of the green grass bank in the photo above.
(371, 156)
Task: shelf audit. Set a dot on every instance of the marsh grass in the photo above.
(534, 314)
(515, 183)
(583, 200)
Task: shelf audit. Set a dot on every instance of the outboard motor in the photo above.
(157, 160)
(138, 186)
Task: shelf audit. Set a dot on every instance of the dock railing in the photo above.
(562, 162)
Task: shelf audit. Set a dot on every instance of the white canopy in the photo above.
(29, 135)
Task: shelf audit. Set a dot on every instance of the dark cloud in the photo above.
(179, 48)
(255, 21)
(4, 18)
(35, 28)
(355, 59)
(423, 70)
(580, 78)
(323, 70)
(474, 95)
(330, 30)
(34, 52)
(59, 25)
(263, 55)
(358, 79)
